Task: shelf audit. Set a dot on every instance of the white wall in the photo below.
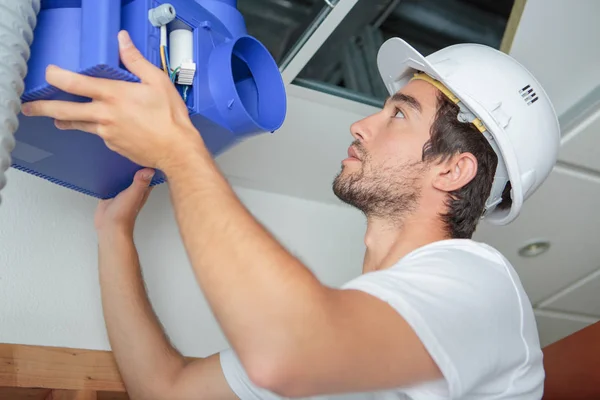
(49, 291)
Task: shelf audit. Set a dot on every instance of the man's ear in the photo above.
(455, 172)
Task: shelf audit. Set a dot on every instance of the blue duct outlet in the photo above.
(237, 90)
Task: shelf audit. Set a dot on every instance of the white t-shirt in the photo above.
(466, 303)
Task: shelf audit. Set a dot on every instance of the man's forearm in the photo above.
(262, 296)
(142, 351)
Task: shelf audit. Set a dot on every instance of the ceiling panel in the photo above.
(581, 148)
(556, 42)
(559, 212)
(583, 298)
(552, 328)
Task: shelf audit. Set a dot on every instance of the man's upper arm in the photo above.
(431, 320)
(365, 346)
(437, 321)
(201, 379)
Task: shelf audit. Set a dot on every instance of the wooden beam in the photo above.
(112, 396)
(43, 394)
(23, 393)
(512, 25)
(72, 395)
(58, 368)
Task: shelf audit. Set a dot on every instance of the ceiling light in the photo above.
(534, 249)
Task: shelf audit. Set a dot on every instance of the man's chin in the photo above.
(350, 168)
(342, 175)
(342, 184)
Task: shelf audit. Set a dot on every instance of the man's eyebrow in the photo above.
(406, 99)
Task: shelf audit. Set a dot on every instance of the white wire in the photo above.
(163, 35)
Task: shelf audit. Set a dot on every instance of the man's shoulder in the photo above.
(458, 253)
(463, 299)
(464, 267)
(469, 271)
(458, 248)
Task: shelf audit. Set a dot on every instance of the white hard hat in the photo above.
(501, 97)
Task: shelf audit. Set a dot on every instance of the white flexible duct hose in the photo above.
(17, 22)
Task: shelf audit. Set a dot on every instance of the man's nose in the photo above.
(360, 130)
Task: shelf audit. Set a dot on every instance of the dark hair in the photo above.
(449, 137)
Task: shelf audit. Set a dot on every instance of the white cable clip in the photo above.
(187, 70)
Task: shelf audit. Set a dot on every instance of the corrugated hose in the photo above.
(17, 22)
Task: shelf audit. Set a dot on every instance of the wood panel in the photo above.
(573, 366)
(30, 372)
(72, 395)
(23, 393)
(112, 396)
(43, 394)
(58, 368)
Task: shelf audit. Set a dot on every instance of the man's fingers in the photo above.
(144, 176)
(134, 60)
(139, 190)
(78, 84)
(131, 197)
(90, 127)
(62, 110)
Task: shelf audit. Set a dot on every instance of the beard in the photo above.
(388, 190)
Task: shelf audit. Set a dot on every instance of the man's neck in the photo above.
(387, 242)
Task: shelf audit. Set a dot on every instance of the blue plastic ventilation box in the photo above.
(237, 90)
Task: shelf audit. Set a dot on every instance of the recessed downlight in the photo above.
(534, 249)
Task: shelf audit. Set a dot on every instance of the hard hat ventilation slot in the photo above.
(529, 95)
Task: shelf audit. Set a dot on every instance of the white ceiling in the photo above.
(581, 297)
(557, 41)
(559, 212)
(581, 146)
(555, 326)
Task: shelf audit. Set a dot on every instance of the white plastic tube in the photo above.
(181, 54)
(17, 22)
(181, 47)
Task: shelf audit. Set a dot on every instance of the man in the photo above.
(434, 316)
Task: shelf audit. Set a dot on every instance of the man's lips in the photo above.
(352, 153)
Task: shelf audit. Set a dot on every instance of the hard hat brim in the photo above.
(398, 61)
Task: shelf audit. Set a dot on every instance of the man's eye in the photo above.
(398, 113)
